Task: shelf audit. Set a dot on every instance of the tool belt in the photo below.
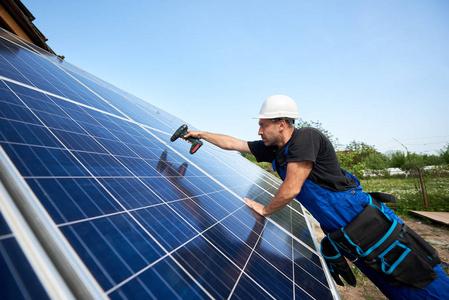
(393, 250)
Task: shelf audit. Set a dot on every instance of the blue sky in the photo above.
(370, 71)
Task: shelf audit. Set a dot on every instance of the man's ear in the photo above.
(282, 125)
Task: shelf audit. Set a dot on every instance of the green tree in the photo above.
(349, 161)
(359, 157)
(414, 161)
(398, 159)
(376, 161)
(361, 149)
(444, 154)
(358, 146)
(432, 160)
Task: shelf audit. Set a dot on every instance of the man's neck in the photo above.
(285, 136)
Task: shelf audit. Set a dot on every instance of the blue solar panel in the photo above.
(147, 219)
(17, 278)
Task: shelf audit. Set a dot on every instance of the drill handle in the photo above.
(196, 143)
(190, 139)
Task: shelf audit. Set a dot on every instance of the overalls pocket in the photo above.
(392, 249)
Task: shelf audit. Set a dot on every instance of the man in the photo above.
(307, 163)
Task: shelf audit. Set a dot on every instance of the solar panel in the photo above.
(119, 212)
(18, 279)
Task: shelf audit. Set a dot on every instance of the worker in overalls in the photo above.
(357, 225)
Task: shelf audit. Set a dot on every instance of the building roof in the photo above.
(16, 18)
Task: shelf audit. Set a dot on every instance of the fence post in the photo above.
(423, 189)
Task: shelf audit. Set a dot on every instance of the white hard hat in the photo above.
(278, 106)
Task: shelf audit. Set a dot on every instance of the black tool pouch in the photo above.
(337, 264)
(392, 249)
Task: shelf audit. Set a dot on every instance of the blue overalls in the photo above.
(334, 210)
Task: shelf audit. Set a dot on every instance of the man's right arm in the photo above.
(223, 141)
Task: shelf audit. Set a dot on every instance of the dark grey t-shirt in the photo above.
(308, 144)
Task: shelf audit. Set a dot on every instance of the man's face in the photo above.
(269, 132)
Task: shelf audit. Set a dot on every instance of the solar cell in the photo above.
(136, 213)
(18, 279)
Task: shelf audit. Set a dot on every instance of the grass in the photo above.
(408, 192)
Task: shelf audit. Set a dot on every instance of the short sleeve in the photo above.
(262, 152)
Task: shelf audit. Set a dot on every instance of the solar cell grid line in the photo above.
(242, 256)
(103, 91)
(273, 264)
(18, 40)
(27, 219)
(71, 101)
(39, 51)
(33, 75)
(130, 106)
(100, 124)
(276, 217)
(257, 230)
(245, 170)
(15, 268)
(255, 183)
(115, 97)
(11, 81)
(205, 237)
(226, 274)
(92, 174)
(18, 277)
(211, 194)
(290, 262)
(71, 68)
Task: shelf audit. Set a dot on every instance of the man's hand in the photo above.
(297, 173)
(193, 134)
(257, 207)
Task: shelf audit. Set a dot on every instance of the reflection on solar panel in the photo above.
(96, 203)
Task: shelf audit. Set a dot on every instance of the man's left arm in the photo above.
(297, 173)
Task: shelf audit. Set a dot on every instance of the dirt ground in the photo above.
(436, 235)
